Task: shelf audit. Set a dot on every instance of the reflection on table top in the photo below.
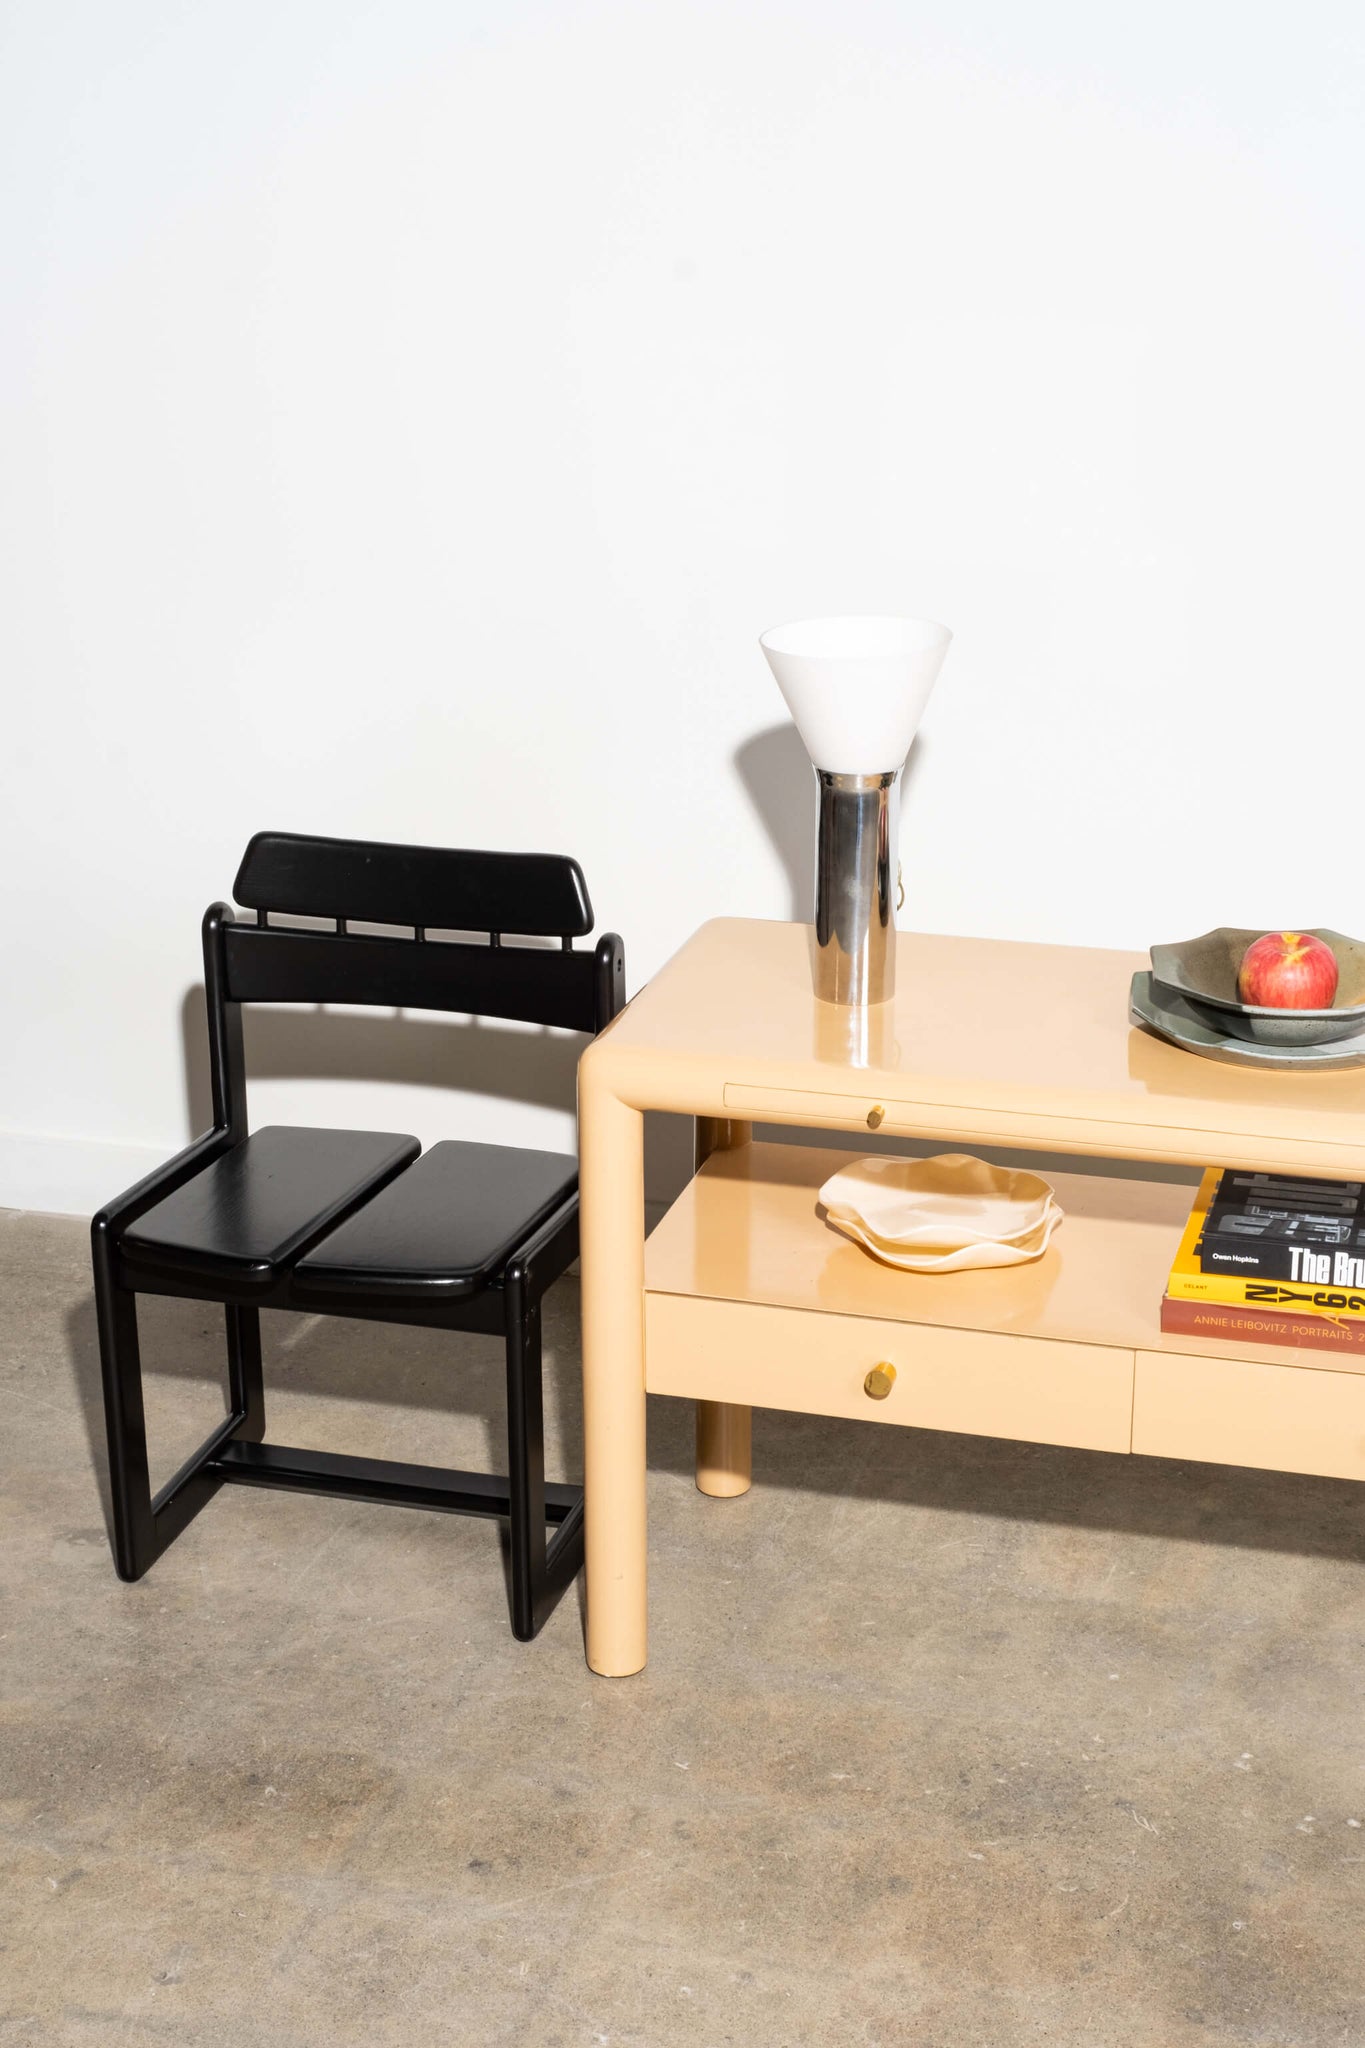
(1038, 1033)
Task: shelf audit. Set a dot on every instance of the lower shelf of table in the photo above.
(752, 1298)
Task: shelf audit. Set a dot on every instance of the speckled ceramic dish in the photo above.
(1204, 972)
(1196, 1029)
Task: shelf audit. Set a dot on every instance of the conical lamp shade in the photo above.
(856, 687)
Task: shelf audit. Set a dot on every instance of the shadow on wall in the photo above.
(537, 1067)
(483, 1058)
(776, 772)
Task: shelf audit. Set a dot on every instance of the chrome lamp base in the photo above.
(855, 887)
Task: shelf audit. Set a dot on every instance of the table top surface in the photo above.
(978, 1026)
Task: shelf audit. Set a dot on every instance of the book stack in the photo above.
(1273, 1259)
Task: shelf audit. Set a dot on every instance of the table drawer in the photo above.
(1234, 1411)
(970, 1380)
(808, 1105)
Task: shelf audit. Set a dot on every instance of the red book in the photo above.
(1230, 1321)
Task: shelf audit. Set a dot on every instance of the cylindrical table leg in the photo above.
(611, 1193)
(724, 1428)
(724, 1448)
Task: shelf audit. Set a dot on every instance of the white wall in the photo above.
(413, 412)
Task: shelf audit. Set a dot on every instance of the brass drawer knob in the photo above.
(880, 1381)
(874, 1116)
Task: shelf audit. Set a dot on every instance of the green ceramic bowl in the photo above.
(1204, 971)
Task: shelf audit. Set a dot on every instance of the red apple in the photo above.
(1288, 971)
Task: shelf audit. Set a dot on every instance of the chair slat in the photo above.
(531, 895)
(279, 965)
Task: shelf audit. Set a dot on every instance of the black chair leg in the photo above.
(135, 1545)
(540, 1570)
(525, 1458)
(143, 1526)
(246, 1387)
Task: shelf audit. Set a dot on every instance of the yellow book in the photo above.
(1188, 1283)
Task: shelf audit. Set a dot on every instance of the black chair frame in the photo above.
(423, 889)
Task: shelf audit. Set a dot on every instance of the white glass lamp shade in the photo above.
(856, 687)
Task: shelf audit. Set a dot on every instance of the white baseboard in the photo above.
(69, 1176)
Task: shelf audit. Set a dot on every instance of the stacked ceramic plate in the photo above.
(1190, 997)
(942, 1215)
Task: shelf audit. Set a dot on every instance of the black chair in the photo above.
(355, 1223)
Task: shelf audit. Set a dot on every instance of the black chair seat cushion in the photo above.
(248, 1216)
(443, 1230)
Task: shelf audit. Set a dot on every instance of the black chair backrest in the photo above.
(530, 895)
(420, 889)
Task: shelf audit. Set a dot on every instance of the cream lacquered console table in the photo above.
(744, 1297)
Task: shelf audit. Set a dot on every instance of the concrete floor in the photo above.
(944, 1742)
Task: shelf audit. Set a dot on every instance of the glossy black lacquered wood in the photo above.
(227, 1064)
(114, 1218)
(445, 1229)
(384, 1480)
(134, 1527)
(246, 1386)
(253, 1212)
(482, 1312)
(525, 1445)
(279, 964)
(233, 1219)
(532, 894)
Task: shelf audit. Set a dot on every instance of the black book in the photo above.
(1269, 1226)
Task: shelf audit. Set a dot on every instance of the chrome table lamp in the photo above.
(856, 689)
